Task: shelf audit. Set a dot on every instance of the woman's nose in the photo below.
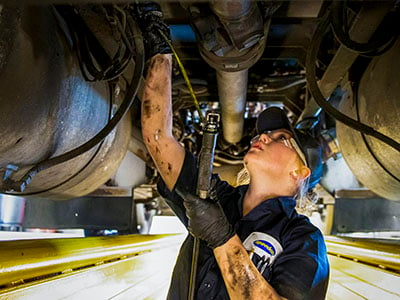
(265, 138)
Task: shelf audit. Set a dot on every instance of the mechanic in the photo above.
(253, 244)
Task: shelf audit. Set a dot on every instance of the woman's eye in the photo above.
(281, 137)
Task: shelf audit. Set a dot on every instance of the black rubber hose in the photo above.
(367, 145)
(319, 98)
(122, 110)
(111, 92)
(374, 47)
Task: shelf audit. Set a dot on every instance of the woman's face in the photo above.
(272, 153)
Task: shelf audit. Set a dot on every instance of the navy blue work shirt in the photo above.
(285, 247)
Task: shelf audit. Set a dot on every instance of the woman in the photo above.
(253, 244)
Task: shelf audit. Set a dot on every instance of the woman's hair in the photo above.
(243, 177)
(305, 197)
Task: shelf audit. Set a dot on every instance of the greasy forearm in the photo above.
(156, 104)
(166, 152)
(241, 277)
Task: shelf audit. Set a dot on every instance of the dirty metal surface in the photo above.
(375, 164)
(48, 109)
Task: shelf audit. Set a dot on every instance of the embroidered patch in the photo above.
(264, 245)
(263, 249)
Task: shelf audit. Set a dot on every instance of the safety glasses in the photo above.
(283, 138)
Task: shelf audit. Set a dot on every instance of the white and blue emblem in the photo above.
(263, 248)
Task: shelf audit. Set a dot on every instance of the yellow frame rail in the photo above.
(371, 252)
(140, 266)
(34, 267)
(363, 269)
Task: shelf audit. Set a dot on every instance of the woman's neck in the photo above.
(260, 190)
(254, 196)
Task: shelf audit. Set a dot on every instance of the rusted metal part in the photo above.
(137, 146)
(232, 90)
(364, 26)
(243, 23)
(375, 164)
(111, 191)
(54, 110)
(242, 20)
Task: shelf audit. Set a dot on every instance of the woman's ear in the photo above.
(302, 173)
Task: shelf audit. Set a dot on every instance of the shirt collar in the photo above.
(286, 204)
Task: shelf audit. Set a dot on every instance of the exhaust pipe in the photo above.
(242, 22)
(232, 88)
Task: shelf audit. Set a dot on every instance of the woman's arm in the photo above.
(156, 116)
(208, 222)
(167, 153)
(241, 277)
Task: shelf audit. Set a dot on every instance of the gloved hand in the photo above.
(207, 220)
(150, 20)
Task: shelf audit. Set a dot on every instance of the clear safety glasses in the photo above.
(283, 138)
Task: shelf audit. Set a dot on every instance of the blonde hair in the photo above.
(243, 177)
(305, 197)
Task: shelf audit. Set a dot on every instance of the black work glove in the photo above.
(207, 220)
(150, 20)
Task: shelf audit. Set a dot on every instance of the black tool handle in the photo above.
(206, 160)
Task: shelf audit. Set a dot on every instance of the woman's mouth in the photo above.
(256, 145)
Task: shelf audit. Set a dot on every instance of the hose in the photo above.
(374, 47)
(367, 145)
(285, 87)
(319, 98)
(122, 110)
(111, 92)
(185, 76)
(94, 62)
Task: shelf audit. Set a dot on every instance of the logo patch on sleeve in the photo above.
(263, 249)
(266, 246)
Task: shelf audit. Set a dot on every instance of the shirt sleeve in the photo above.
(302, 270)
(187, 180)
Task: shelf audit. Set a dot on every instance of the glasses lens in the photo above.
(300, 153)
(274, 136)
(288, 141)
(254, 139)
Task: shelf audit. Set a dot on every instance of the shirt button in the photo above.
(207, 284)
